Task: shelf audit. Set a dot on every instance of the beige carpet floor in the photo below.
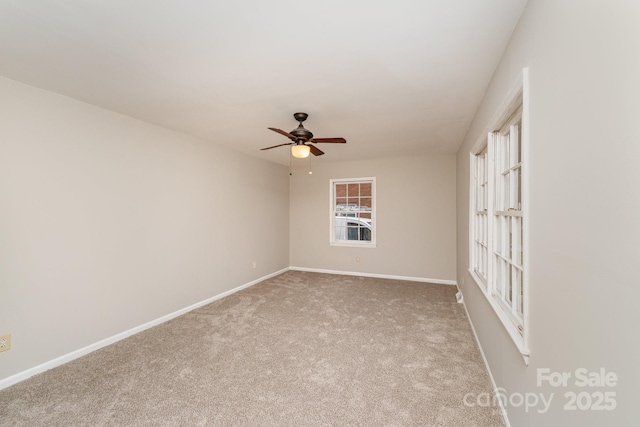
(300, 349)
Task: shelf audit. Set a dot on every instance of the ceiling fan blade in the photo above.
(315, 150)
(281, 132)
(280, 145)
(329, 140)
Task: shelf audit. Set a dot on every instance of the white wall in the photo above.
(415, 217)
(107, 223)
(584, 201)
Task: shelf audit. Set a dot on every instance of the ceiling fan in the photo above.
(301, 138)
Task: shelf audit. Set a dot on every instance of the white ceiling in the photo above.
(400, 77)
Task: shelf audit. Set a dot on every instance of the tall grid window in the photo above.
(353, 212)
(498, 239)
(480, 238)
(508, 231)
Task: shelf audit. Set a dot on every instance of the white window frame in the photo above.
(479, 211)
(499, 203)
(333, 241)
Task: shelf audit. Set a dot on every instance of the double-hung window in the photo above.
(480, 225)
(507, 220)
(353, 212)
(498, 242)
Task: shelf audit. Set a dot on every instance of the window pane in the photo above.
(341, 190)
(497, 270)
(504, 153)
(352, 233)
(520, 304)
(485, 262)
(485, 229)
(513, 190)
(353, 190)
(514, 145)
(509, 253)
(504, 196)
(522, 243)
(516, 252)
(365, 189)
(509, 289)
(519, 196)
(497, 244)
(519, 125)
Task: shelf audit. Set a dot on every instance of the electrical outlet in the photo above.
(5, 342)
(255, 264)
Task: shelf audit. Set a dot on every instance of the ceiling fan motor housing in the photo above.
(300, 132)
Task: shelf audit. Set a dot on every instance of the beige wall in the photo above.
(415, 217)
(584, 204)
(107, 223)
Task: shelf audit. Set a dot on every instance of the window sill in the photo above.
(354, 244)
(517, 338)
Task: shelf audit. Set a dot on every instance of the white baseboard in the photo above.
(21, 376)
(379, 276)
(503, 410)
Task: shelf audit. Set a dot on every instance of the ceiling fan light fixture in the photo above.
(300, 151)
